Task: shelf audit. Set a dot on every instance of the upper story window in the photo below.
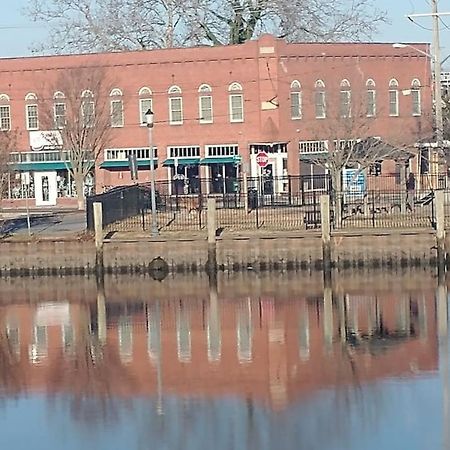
(145, 103)
(31, 111)
(205, 104)
(320, 100)
(371, 99)
(236, 102)
(87, 108)
(116, 108)
(5, 113)
(175, 106)
(59, 109)
(415, 97)
(345, 99)
(393, 98)
(296, 100)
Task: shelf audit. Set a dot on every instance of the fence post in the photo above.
(211, 264)
(326, 235)
(98, 227)
(440, 229)
(245, 189)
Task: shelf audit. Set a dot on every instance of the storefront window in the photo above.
(186, 179)
(223, 178)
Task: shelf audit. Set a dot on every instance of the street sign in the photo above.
(262, 159)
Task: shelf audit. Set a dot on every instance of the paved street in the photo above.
(43, 223)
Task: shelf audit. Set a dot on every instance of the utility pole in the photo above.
(435, 15)
(437, 76)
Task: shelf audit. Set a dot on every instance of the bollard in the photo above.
(211, 264)
(440, 230)
(326, 235)
(98, 227)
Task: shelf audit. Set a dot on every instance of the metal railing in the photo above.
(258, 206)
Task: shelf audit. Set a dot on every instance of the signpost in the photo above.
(262, 159)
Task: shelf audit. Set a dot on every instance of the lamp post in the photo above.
(150, 123)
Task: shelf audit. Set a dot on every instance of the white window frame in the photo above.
(143, 109)
(120, 122)
(236, 112)
(173, 111)
(87, 98)
(32, 120)
(320, 106)
(59, 120)
(5, 119)
(205, 95)
(296, 100)
(394, 108)
(371, 99)
(416, 98)
(345, 100)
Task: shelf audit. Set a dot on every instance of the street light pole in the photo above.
(437, 76)
(149, 123)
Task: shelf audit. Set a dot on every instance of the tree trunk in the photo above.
(79, 186)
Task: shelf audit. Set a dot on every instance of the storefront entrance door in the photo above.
(45, 188)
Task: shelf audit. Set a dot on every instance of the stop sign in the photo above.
(262, 159)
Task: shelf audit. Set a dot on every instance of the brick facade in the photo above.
(266, 70)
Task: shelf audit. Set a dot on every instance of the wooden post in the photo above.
(98, 227)
(211, 265)
(326, 235)
(440, 230)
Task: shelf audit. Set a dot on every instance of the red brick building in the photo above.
(215, 108)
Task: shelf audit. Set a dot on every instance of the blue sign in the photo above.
(354, 184)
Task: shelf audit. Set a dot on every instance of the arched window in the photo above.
(175, 106)
(31, 111)
(87, 108)
(371, 98)
(236, 103)
(345, 99)
(59, 109)
(296, 100)
(320, 100)
(415, 97)
(145, 104)
(116, 109)
(393, 98)
(5, 113)
(205, 104)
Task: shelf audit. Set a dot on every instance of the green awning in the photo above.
(221, 160)
(111, 164)
(41, 166)
(181, 161)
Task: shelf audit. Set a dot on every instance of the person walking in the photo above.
(410, 191)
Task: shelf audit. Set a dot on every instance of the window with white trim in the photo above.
(5, 113)
(222, 150)
(345, 99)
(236, 103)
(308, 147)
(415, 97)
(87, 109)
(116, 111)
(145, 103)
(320, 100)
(393, 98)
(59, 110)
(296, 100)
(184, 151)
(205, 104)
(31, 112)
(371, 99)
(175, 106)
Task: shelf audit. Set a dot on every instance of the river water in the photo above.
(248, 362)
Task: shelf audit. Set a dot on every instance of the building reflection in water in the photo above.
(271, 350)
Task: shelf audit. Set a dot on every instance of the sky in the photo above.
(18, 33)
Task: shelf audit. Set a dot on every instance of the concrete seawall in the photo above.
(239, 252)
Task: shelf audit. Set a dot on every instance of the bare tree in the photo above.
(76, 112)
(105, 25)
(348, 142)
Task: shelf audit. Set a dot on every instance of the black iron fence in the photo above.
(288, 203)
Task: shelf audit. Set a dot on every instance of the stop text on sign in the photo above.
(262, 159)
